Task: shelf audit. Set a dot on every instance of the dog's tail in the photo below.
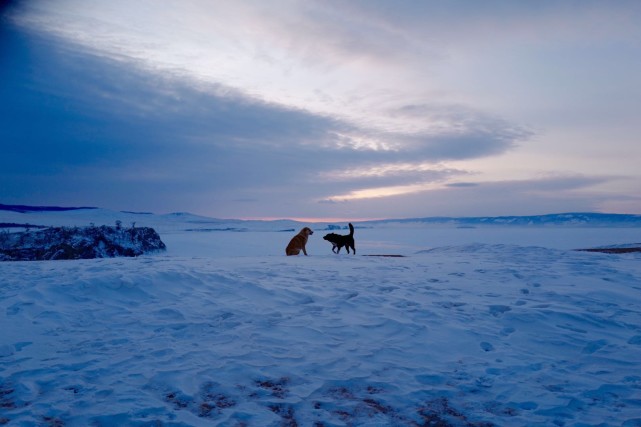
(351, 229)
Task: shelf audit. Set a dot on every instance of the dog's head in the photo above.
(306, 231)
(331, 237)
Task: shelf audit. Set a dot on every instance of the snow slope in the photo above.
(223, 329)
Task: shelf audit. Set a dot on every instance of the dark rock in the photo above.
(57, 243)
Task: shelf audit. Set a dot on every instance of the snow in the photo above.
(475, 326)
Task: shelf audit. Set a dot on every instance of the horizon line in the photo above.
(40, 208)
(313, 220)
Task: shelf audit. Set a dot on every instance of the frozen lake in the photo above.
(395, 240)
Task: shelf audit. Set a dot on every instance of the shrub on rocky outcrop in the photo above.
(56, 243)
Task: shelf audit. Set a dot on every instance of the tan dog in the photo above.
(298, 242)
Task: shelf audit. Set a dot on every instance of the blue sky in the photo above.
(322, 109)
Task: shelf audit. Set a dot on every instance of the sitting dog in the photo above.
(338, 240)
(298, 242)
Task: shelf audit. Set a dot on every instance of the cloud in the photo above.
(111, 123)
(263, 109)
(386, 170)
(518, 197)
(464, 23)
(383, 192)
(545, 188)
(332, 59)
(462, 184)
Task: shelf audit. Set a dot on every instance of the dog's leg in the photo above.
(304, 251)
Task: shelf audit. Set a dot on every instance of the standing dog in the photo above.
(338, 240)
(298, 242)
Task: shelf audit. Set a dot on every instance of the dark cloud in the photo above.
(82, 129)
(6, 6)
(462, 184)
(464, 133)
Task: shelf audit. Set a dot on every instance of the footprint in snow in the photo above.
(594, 346)
(351, 295)
(498, 310)
(406, 304)
(635, 340)
(507, 331)
(450, 304)
(486, 346)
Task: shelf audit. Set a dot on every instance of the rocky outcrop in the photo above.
(57, 243)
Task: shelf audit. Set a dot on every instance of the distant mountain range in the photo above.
(24, 208)
(572, 218)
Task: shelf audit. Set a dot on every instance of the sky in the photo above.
(325, 109)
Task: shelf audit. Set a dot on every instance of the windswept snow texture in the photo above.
(472, 334)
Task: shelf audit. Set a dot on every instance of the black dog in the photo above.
(338, 240)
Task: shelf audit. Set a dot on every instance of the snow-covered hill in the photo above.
(473, 327)
(61, 216)
(565, 219)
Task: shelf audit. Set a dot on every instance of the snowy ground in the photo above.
(486, 326)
